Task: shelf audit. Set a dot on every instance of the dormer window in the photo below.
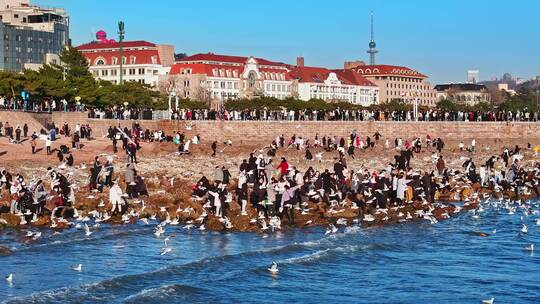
(132, 60)
(100, 61)
(114, 61)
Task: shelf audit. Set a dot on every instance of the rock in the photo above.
(242, 223)
(440, 213)
(212, 223)
(12, 220)
(5, 251)
(42, 221)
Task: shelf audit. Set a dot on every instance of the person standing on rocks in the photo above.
(33, 143)
(214, 147)
(283, 167)
(440, 165)
(18, 135)
(48, 144)
(242, 192)
(218, 174)
(132, 152)
(116, 198)
(76, 141)
(129, 177)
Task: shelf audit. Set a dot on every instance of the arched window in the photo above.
(100, 61)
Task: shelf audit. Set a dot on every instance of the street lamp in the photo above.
(121, 33)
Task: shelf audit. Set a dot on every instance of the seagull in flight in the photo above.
(159, 231)
(87, 231)
(164, 251)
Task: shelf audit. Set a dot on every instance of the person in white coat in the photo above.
(401, 188)
(115, 198)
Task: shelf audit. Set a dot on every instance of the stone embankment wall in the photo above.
(265, 131)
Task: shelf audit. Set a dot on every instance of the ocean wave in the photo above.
(121, 287)
(115, 286)
(162, 293)
(74, 236)
(328, 253)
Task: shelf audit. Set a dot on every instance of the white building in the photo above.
(334, 85)
(464, 93)
(219, 78)
(141, 61)
(473, 76)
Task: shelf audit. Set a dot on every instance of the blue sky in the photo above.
(442, 39)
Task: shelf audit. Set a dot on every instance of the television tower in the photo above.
(372, 51)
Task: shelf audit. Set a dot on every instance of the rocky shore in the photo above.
(174, 205)
(171, 203)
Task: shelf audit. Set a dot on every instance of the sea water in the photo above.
(419, 262)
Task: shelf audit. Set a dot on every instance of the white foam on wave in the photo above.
(320, 254)
(161, 292)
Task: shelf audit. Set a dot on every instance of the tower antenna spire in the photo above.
(372, 34)
(372, 45)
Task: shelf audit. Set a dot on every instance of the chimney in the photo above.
(353, 64)
(299, 61)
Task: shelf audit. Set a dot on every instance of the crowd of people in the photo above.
(275, 190)
(353, 115)
(40, 105)
(125, 112)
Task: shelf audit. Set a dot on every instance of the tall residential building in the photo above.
(473, 76)
(142, 61)
(30, 34)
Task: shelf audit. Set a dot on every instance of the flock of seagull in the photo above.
(525, 209)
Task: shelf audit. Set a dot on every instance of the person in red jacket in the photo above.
(283, 167)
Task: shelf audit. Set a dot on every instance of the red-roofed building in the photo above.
(213, 77)
(398, 83)
(143, 61)
(334, 85)
(220, 77)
